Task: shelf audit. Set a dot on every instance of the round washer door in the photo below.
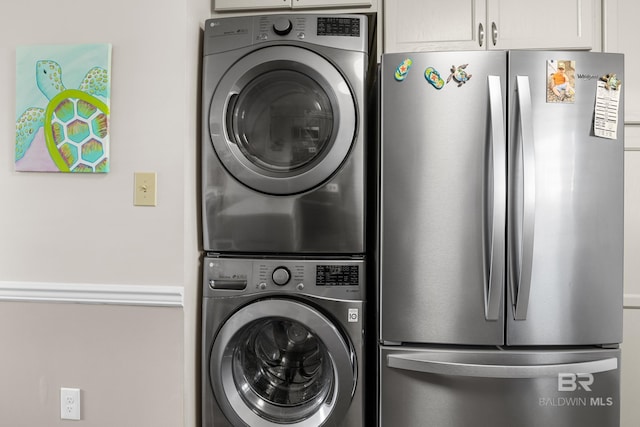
(282, 120)
(281, 362)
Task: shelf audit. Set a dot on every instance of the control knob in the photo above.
(282, 26)
(281, 276)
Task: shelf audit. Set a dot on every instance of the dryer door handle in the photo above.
(231, 106)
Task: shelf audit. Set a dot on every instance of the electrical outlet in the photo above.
(144, 193)
(69, 403)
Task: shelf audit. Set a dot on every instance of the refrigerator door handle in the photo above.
(523, 286)
(496, 209)
(419, 362)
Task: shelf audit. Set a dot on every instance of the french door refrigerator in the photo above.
(501, 242)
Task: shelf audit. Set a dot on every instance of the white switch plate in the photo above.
(69, 403)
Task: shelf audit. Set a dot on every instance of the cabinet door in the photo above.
(622, 33)
(414, 25)
(222, 5)
(542, 24)
(330, 3)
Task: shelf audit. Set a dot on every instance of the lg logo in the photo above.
(573, 382)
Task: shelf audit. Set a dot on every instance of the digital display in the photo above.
(337, 275)
(334, 26)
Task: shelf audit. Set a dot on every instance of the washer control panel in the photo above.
(330, 278)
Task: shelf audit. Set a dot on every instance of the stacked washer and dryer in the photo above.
(283, 199)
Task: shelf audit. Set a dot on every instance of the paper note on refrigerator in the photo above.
(606, 112)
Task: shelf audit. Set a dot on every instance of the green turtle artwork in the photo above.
(73, 126)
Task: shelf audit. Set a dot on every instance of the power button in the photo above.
(281, 276)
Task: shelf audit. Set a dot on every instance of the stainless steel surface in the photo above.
(283, 355)
(461, 388)
(563, 274)
(575, 296)
(560, 276)
(480, 34)
(283, 134)
(436, 208)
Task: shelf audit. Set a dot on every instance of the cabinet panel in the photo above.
(631, 222)
(330, 3)
(413, 25)
(622, 33)
(222, 5)
(630, 371)
(542, 24)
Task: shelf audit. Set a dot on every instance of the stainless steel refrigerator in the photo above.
(501, 244)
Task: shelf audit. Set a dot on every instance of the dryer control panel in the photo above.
(340, 279)
(347, 32)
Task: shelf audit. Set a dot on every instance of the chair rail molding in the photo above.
(89, 293)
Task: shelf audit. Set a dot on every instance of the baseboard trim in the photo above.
(631, 300)
(81, 293)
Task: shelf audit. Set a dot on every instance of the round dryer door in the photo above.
(282, 120)
(281, 362)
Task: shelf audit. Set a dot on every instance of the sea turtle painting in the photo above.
(72, 129)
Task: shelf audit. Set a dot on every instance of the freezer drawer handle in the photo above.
(419, 362)
(496, 208)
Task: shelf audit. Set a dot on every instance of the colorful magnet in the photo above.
(611, 82)
(434, 78)
(403, 69)
(459, 74)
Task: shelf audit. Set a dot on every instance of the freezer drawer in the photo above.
(460, 388)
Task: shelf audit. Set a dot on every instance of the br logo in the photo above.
(573, 382)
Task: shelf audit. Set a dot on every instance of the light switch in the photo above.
(144, 192)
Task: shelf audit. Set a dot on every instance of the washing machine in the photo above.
(283, 140)
(282, 342)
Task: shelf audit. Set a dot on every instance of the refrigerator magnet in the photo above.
(561, 81)
(605, 124)
(433, 77)
(611, 81)
(403, 69)
(459, 74)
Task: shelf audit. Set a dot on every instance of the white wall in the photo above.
(68, 229)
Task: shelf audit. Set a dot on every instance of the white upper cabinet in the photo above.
(621, 35)
(414, 25)
(222, 5)
(228, 5)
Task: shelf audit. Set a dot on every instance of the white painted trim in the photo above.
(631, 300)
(85, 293)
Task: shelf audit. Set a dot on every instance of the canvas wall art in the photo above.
(62, 108)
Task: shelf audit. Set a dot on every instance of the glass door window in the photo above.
(282, 121)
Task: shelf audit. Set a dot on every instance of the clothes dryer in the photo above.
(282, 342)
(283, 119)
